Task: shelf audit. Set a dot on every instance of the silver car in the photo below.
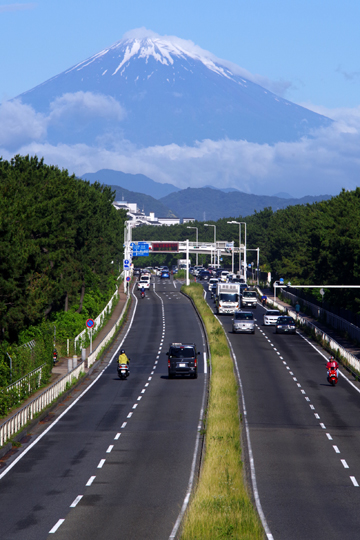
(271, 317)
(243, 322)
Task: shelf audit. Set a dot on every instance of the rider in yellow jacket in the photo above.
(123, 359)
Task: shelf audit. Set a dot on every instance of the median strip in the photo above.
(221, 506)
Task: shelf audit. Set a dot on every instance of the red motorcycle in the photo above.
(332, 377)
(142, 294)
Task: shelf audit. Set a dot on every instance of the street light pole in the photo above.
(241, 223)
(210, 225)
(197, 243)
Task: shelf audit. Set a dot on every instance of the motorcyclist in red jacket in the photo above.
(332, 364)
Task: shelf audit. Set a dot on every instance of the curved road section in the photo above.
(304, 434)
(117, 464)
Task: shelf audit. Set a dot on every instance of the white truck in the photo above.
(248, 299)
(182, 263)
(227, 297)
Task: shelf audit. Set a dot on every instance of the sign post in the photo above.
(90, 324)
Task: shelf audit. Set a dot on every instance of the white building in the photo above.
(137, 217)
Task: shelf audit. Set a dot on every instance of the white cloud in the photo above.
(323, 164)
(86, 103)
(20, 123)
(16, 7)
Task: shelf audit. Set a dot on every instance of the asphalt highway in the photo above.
(117, 465)
(304, 435)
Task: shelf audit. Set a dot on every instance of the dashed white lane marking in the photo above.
(135, 405)
(303, 391)
(129, 415)
(101, 463)
(307, 399)
(317, 416)
(123, 425)
(147, 384)
(312, 407)
(143, 391)
(76, 501)
(336, 449)
(281, 358)
(322, 425)
(287, 367)
(205, 363)
(278, 353)
(329, 436)
(90, 481)
(353, 479)
(139, 398)
(345, 465)
(56, 526)
(117, 436)
(109, 448)
(152, 373)
(295, 379)
(298, 385)
(284, 362)
(149, 378)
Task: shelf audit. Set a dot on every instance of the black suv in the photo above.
(182, 359)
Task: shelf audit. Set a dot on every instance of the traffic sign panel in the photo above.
(90, 323)
(128, 278)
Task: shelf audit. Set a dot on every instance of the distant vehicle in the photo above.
(248, 299)
(144, 281)
(223, 275)
(285, 325)
(227, 297)
(165, 274)
(205, 275)
(212, 281)
(243, 322)
(271, 317)
(182, 360)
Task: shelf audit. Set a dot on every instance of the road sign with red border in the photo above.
(90, 323)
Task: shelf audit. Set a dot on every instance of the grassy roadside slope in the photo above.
(221, 506)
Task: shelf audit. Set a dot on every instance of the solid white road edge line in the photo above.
(193, 467)
(205, 363)
(251, 458)
(73, 403)
(326, 358)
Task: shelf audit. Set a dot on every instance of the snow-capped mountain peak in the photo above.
(161, 49)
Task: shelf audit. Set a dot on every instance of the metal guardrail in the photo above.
(330, 318)
(19, 382)
(334, 345)
(97, 322)
(27, 413)
(109, 335)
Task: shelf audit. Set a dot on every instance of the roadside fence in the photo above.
(32, 409)
(331, 343)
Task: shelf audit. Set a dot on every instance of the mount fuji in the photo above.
(147, 90)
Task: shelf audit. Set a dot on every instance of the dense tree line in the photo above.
(316, 243)
(60, 237)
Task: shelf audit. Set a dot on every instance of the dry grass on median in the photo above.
(220, 506)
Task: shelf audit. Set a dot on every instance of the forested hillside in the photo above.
(306, 244)
(61, 243)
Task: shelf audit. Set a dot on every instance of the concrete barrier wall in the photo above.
(334, 345)
(330, 318)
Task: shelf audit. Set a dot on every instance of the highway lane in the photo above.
(304, 434)
(117, 465)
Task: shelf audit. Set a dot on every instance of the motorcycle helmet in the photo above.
(122, 351)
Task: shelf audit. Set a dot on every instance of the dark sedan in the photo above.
(285, 325)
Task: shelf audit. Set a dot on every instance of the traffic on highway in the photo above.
(120, 460)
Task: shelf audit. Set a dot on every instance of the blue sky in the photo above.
(311, 46)
(307, 49)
